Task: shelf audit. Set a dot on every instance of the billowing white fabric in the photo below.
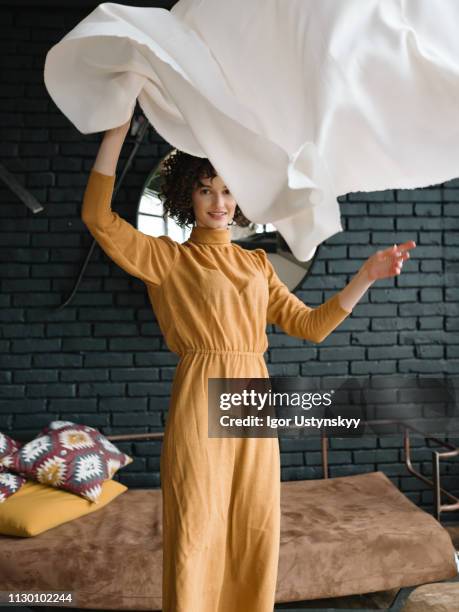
(295, 102)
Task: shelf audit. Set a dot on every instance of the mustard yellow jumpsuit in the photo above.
(221, 496)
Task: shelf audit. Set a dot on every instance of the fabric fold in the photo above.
(294, 103)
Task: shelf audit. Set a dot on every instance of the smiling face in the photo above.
(213, 204)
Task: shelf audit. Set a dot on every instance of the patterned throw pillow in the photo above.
(9, 483)
(8, 447)
(69, 456)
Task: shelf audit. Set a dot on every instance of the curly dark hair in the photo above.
(179, 174)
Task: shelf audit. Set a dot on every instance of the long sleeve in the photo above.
(148, 258)
(292, 315)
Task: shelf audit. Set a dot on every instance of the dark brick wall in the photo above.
(102, 360)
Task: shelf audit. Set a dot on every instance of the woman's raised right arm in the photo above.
(146, 257)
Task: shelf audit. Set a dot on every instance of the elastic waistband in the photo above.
(220, 352)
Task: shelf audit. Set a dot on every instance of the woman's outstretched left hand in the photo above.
(382, 264)
(389, 262)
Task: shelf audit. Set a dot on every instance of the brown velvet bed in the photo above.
(339, 536)
(353, 534)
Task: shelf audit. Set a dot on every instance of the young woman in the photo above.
(212, 300)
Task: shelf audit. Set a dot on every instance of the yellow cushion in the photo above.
(37, 507)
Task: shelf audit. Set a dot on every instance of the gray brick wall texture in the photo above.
(102, 360)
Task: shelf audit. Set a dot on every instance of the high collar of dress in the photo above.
(208, 235)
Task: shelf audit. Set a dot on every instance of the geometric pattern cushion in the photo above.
(9, 483)
(70, 456)
(8, 447)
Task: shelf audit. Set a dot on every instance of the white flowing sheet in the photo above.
(295, 102)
